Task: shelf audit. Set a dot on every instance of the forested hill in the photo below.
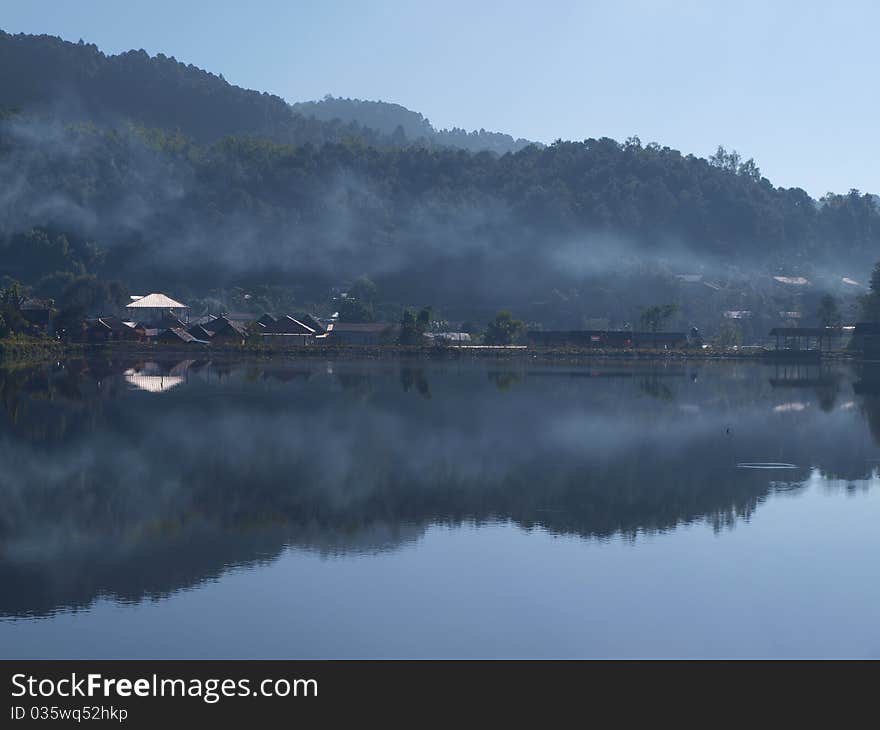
(76, 81)
(214, 186)
(402, 124)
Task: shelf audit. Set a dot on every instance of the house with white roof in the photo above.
(155, 308)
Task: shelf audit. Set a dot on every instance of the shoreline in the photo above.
(21, 351)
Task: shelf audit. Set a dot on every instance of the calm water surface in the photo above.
(340, 509)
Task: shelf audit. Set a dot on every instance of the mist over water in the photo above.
(389, 492)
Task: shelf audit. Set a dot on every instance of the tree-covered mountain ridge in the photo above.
(79, 82)
(402, 124)
(168, 178)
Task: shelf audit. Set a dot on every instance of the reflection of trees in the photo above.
(868, 388)
(504, 379)
(358, 383)
(654, 387)
(410, 377)
(301, 462)
(822, 380)
(826, 395)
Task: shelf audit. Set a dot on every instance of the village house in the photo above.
(40, 314)
(113, 329)
(287, 330)
(607, 338)
(224, 331)
(200, 333)
(156, 310)
(363, 333)
(313, 322)
(803, 338)
(451, 338)
(179, 336)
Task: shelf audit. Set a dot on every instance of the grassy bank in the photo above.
(394, 351)
(25, 350)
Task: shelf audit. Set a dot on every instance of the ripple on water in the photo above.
(765, 465)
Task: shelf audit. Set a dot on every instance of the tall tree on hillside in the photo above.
(829, 312)
(871, 301)
(360, 303)
(365, 289)
(503, 330)
(413, 326)
(352, 309)
(655, 317)
(11, 299)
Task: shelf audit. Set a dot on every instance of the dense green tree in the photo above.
(93, 296)
(414, 325)
(403, 125)
(472, 328)
(12, 298)
(655, 317)
(352, 309)
(828, 313)
(870, 302)
(503, 330)
(364, 289)
(729, 334)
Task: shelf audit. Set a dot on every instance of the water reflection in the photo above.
(114, 482)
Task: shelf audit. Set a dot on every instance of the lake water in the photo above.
(341, 509)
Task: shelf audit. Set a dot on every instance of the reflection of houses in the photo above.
(791, 280)
(154, 378)
(362, 333)
(155, 309)
(802, 375)
(607, 338)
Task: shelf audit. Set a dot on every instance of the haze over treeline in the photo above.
(166, 177)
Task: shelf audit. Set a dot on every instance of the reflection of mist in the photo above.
(239, 461)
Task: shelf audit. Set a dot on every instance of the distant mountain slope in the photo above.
(379, 115)
(389, 118)
(76, 81)
(568, 233)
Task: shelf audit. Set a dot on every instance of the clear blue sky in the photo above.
(792, 84)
